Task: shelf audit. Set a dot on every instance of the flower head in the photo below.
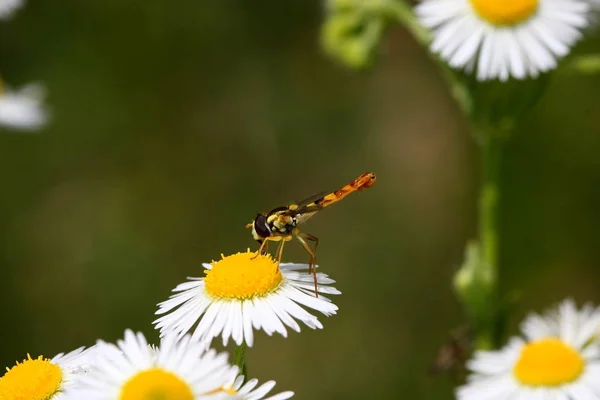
(22, 109)
(504, 38)
(176, 370)
(243, 292)
(558, 358)
(45, 379)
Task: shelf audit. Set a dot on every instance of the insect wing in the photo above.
(306, 204)
(305, 216)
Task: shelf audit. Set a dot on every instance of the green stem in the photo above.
(239, 358)
(488, 331)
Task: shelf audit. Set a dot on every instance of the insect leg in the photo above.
(280, 251)
(313, 258)
(314, 239)
(264, 246)
(308, 236)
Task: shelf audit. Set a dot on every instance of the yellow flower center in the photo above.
(548, 362)
(156, 384)
(505, 12)
(243, 276)
(33, 379)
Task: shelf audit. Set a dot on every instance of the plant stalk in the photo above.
(239, 359)
(488, 333)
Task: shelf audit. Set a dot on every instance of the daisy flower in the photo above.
(22, 109)
(558, 358)
(45, 379)
(176, 370)
(504, 38)
(243, 292)
(8, 7)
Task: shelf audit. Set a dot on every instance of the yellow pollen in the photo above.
(505, 12)
(33, 379)
(243, 276)
(548, 362)
(156, 384)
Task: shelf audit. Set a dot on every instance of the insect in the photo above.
(281, 224)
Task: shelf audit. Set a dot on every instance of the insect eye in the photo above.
(261, 227)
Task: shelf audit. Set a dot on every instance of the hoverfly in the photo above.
(281, 224)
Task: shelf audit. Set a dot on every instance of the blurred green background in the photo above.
(174, 123)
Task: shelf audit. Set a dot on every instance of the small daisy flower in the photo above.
(243, 292)
(176, 370)
(8, 7)
(22, 109)
(504, 38)
(558, 358)
(45, 379)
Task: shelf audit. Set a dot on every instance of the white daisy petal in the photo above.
(247, 313)
(299, 313)
(227, 317)
(213, 326)
(536, 327)
(497, 40)
(271, 318)
(309, 288)
(256, 294)
(247, 391)
(262, 390)
(469, 48)
(281, 314)
(310, 301)
(303, 277)
(244, 389)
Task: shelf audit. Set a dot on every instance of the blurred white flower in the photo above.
(176, 370)
(44, 379)
(502, 39)
(243, 292)
(8, 7)
(558, 358)
(23, 109)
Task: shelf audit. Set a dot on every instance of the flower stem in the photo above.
(239, 357)
(488, 331)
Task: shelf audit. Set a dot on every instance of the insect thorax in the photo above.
(281, 224)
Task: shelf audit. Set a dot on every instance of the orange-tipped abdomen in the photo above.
(365, 181)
